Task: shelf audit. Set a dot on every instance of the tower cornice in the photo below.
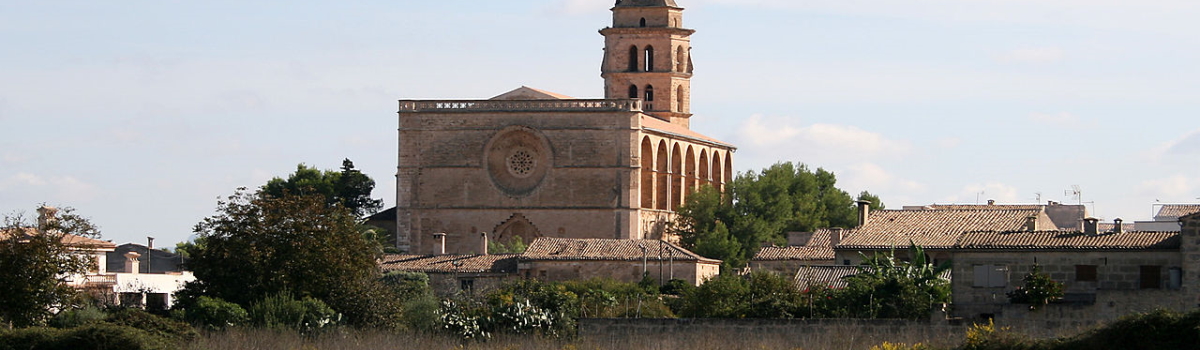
(647, 30)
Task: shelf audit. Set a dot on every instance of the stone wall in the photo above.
(1069, 318)
(624, 271)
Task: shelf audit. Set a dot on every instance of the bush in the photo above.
(1158, 329)
(90, 336)
(214, 313)
(77, 317)
(421, 313)
(282, 311)
(156, 325)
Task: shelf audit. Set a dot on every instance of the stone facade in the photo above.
(530, 164)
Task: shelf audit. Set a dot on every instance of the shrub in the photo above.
(214, 313)
(421, 313)
(90, 336)
(156, 325)
(1158, 329)
(77, 317)
(282, 311)
(1038, 290)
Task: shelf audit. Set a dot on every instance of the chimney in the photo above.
(131, 262)
(799, 238)
(991, 202)
(864, 213)
(1090, 226)
(1031, 223)
(46, 217)
(483, 243)
(835, 236)
(1117, 227)
(441, 243)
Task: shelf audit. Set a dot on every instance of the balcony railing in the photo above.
(412, 106)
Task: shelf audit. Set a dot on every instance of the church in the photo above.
(529, 163)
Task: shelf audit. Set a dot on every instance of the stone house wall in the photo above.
(624, 271)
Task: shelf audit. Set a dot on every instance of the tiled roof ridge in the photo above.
(605, 249)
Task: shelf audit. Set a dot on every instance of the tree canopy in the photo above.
(349, 187)
(259, 245)
(35, 264)
(760, 207)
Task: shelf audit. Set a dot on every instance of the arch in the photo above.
(633, 58)
(660, 172)
(650, 58)
(679, 105)
(689, 172)
(728, 167)
(716, 170)
(704, 179)
(642, 22)
(676, 177)
(633, 91)
(516, 227)
(647, 173)
(649, 93)
(680, 59)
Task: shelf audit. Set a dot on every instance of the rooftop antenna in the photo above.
(977, 196)
(1038, 197)
(1075, 192)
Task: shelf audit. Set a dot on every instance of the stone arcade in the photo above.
(530, 163)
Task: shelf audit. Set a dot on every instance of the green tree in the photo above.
(1038, 290)
(36, 262)
(760, 207)
(259, 245)
(349, 188)
(887, 287)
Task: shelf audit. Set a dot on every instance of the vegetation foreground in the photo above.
(136, 329)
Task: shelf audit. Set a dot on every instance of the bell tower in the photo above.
(647, 55)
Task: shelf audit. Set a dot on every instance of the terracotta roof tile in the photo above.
(654, 124)
(934, 228)
(1170, 212)
(824, 276)
(818, 247)
(547, 248)
(69, 239)
(1066, 240)
(498, 263)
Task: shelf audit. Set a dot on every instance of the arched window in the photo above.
(633, 92)
(643, 23)
(679, 106)
(649, 93)
(633, 58)
(650, 58)
(680, 59)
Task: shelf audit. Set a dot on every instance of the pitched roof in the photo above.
(833, 276)
(818, 247)
(824, 276)
(547, 248)
(1170, 212)
(653, 124)
(69, 239)
(497, 263)
(528, 93)
(1066, 240)
(935, 228)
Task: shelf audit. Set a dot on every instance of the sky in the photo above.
(142, 114)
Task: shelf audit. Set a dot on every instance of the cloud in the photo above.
(26, 179)
(1170, 187)
(1189, 144)
(874, 178)
(760, 131)
(1060, 119)
(12, 157)
(67, 189)
(1032, 55)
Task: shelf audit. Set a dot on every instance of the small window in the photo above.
(1085, 273)
(649, 93)
(643, 22)
(650, 58)
(990, 276)
(467, 285)
(1176, 278)
(1151, 277)
(633, 58)
(633, 91)
(846, 262)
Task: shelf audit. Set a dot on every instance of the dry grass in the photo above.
(833, 338)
